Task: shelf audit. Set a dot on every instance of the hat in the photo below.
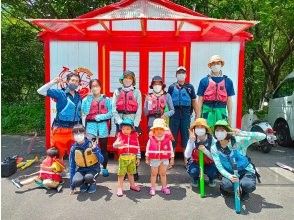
(157, 79)
(127, 121)
(128, 73)
(200, 122)
(181, 69)
(216, 58)
(224, 124)
(159, 123)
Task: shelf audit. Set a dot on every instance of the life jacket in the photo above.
(160, 149)
(130, 143)
(157, 105)
(85, 157)
(56, 169)
(180, 96)
(70, 114)
(227, 156)
(126, 102)
(216, 92)
(195, 152)
(97, 107)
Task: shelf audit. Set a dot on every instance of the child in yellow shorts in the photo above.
(128, 149)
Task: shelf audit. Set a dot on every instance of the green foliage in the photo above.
(23, 117)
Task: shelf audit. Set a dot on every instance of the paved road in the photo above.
(273, 198)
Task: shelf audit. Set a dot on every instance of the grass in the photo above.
(23, 118)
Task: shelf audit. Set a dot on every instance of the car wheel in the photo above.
(283, 134)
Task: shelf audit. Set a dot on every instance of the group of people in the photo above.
(169, 114)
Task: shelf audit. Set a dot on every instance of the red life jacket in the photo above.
(130, 143)
(126, 102)
(47, 173)
(195, 152)
(160, 149)
(97, 107)
(216, 91)
(158, 104)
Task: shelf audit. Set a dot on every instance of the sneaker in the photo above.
(59, 187)
(105, 172)
(84, 187)
(212, 183)
(135, 188)
(194, 183)
(17, 183)
(165, 190)
(152, 191)
(92, 188)
(244, 196)
(136, 176)
(119, 192)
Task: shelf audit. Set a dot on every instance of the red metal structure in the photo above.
(135, 35)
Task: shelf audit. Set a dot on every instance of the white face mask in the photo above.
(220, 135)
(200, 131)
(157, 88)
(181, 77)
(216, 68)
(79, 137)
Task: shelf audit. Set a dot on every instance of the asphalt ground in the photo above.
(273, 198)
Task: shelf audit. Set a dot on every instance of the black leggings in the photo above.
(103, 145)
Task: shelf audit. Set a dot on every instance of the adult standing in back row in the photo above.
(184, 101)
(215, 93)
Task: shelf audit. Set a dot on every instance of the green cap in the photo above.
(222, 123)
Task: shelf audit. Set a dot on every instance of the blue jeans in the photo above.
(180, 122)
(194, 171)
(247, 183)
(83, 177)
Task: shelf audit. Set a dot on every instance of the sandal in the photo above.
(165, 190)
(119, 192)
(135, 188)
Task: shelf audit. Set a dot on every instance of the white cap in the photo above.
(181, 68)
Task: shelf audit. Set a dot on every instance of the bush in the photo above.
(23, 118)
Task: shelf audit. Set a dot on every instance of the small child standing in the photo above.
(159, 154)
(128, 149)
(49, 175)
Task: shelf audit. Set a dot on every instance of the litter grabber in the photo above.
(284, 166)
(236, 188)
(202, 181)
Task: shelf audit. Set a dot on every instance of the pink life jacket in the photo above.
(160, 150)
(130, 143)
(158, 104)
(46, 173)
(126, 102)
(97, 107)
(216, 91)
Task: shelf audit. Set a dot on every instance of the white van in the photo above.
(281, 111)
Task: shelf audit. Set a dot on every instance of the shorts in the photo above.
(156, 163)
(126, 164)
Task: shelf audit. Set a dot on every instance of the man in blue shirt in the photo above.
(215, 93)
(184, 101)
(68, 106)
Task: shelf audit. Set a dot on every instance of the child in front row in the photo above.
(159, 154)
(128, 150)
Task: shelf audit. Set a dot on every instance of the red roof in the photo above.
(144, 9)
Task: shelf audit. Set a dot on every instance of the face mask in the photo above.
(220, 135)
(157, 88)
(127, 82)
(181, 77)
(72, 86)
(79, 137)
(96, 90)
(216, 68)
(200, 131)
